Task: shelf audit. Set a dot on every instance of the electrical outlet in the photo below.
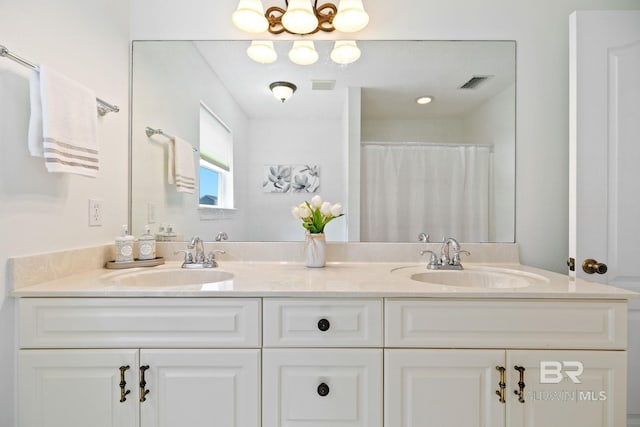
(95, 213)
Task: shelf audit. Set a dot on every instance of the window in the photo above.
(216, 161)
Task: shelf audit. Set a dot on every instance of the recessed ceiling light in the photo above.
(424, 100)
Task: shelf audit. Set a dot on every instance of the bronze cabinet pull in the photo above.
(123, 384)
(501, 384)
(521, 385)
(143, 384)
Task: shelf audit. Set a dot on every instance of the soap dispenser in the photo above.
(124, 246)
(146, 245)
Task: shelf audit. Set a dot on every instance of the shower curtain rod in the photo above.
(103, 106)
(426, 144)
(151, 131)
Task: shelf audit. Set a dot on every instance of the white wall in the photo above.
(450, 130)
(41, 212)
(185, 79)
(286, 142)
(488, 124)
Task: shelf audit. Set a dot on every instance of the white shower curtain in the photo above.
(438, 189)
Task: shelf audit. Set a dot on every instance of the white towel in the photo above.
(182, 171)
(63, 123)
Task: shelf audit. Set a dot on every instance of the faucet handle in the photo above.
(423, 237)
(455, 260)
(188, 257)
(211, 257)
(433, 259)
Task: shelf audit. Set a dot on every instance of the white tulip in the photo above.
(304, 211)
(316, 201)
(295, 211)
(336, 209)
(325, 209)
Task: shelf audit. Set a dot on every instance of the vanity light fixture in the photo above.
(345, 52)
(303, 52)
(282, 90)
(262, 51)
(300, 17)
(423, 100)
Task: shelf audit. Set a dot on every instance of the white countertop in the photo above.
(274, 279)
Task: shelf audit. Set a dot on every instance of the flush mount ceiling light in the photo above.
(423, 100)
(262, 51)
(300, 17)
(282, 90)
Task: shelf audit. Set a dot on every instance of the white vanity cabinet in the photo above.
(322, 362)
(450, 355)
(154, 362)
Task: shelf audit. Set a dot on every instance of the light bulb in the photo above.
(351, 16)
(262, 51)
(345, 52)
(249, 17)
(303, 52)
(423, 100)
(299, 17)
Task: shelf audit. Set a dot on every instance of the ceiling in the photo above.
(392, 74)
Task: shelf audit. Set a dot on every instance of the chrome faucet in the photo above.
(196, 243)
(449, 256)
(221, 236)
(199, 260)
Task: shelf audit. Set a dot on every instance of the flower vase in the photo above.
(316, 249)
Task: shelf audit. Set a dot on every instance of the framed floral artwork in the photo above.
(291, 179)
(277, 179)
(305, 178)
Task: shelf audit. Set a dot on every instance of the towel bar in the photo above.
(103, 106)
(151, 131)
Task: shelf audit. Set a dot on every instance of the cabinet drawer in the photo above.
(322, 387)
(506, 324)
(318, 322)
(139, 322)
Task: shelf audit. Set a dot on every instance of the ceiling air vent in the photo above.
(323, 84)
(474, 82)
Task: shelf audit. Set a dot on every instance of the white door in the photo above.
(199, 388)
(322, 388)
(605, 160)
(426, 388)
(77, 388)
(605, 144)
(578, 388)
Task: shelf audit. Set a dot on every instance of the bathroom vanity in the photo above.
(352, 344)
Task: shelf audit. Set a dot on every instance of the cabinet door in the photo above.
(198, 388)
(567, 388)
(442, 388)
(77, 388)
(322, 387)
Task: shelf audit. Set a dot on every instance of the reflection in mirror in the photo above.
(356, 131)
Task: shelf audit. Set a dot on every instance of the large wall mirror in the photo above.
(352, 133)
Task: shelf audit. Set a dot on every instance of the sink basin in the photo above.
(477, 277)
(172, 277)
